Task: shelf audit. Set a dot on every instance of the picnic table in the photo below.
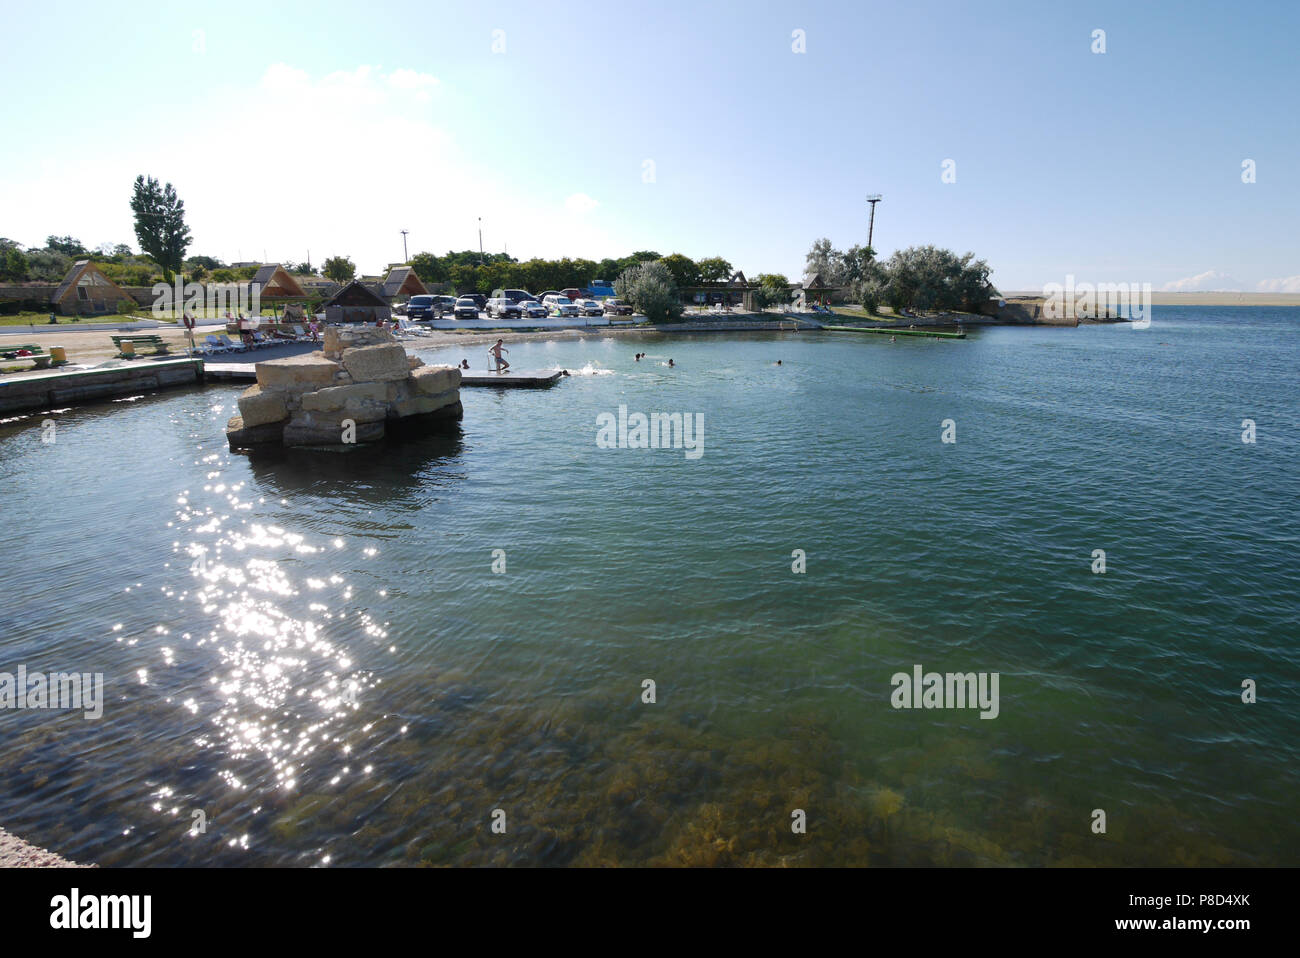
(157, 343)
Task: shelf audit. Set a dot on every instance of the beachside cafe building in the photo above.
(356, 303)
(736, 291)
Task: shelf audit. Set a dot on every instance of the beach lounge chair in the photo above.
(260, 340)
(406, 326)
(231, 346)
(304, 336)
(212, 345)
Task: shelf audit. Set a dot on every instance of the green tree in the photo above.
(340, 269)
(641, 256)
(773, 290)
(429, 268)
(714, 269)
(47, 266)
(464, 278)
(160, 224)
(13, 265)
(684, 269)
(927, 277)
(649, 287)
(207, 262)
(821, 258)
(67, 245)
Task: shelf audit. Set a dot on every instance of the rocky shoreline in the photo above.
(16, 853)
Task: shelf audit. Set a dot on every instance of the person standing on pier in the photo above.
(188, 319)
(496, 352)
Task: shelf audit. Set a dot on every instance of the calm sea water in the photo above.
(342, 678)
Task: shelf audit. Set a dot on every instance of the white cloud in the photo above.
(1289, 284)
(1210, 280)
(422, 84)
(580, 203)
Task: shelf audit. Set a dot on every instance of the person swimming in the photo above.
(778, 362)
(671, 363)
(464, 364)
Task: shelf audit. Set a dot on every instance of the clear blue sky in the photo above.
(1122, 166)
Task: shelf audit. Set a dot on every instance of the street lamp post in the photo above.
(873, 199)
(405, 257)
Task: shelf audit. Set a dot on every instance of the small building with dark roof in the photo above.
(402, 281)
(356, 303)
(815, 289)
(85, 290)
(274, 282)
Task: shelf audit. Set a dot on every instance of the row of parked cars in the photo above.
(511, 303)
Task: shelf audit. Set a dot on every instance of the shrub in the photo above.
(649, 287)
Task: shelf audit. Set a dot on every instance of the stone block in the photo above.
(310, 431)
(242, 437)
(298, 373)
(376, 363)
(258, 407)
(432, 380)
(335, 398)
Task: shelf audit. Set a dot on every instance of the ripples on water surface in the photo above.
(314, 651)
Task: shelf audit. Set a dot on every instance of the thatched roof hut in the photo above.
(402, 281)
(86, 290)
(275, 282)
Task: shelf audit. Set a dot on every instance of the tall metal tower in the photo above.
(873, 199)
(405, 258)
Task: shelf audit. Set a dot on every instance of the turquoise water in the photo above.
(346, 680)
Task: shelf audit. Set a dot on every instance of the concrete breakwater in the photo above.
(362, 387)
(92, 385)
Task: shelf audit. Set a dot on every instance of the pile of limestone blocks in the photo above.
(361, 388)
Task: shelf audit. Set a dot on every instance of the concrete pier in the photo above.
(887, 331)
(69, 388)
(510, 379)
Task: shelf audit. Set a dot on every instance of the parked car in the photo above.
(423, 307)
(531, 309)
(448, 303)
(573, 294)
(500, 308)
(543, 296)
(480, 301)
(618, 307)
(466, 308)
(512, 295)
(560, 305)
(589, 307)
(400, 309)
